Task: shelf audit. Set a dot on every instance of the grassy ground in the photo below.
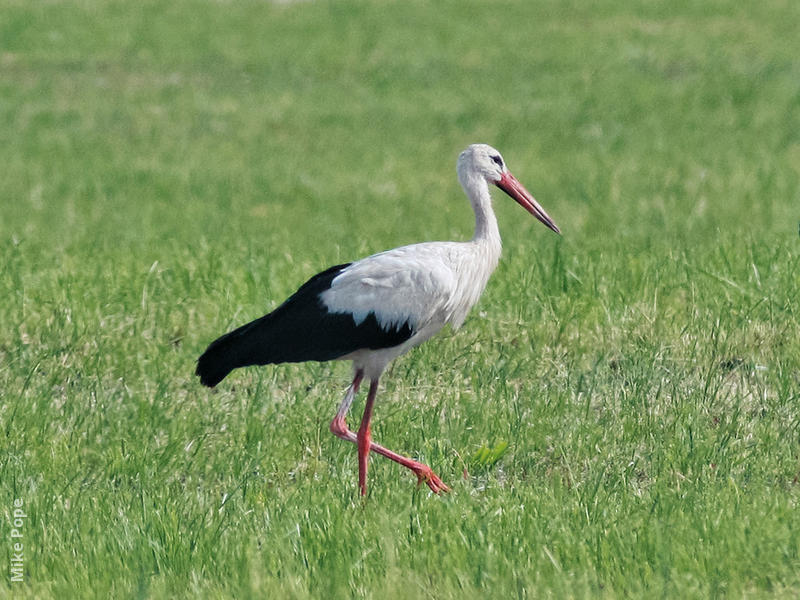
(625, 398)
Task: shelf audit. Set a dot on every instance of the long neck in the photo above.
(480, 255)
(486, 231)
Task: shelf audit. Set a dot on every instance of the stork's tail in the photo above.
(239, 348)
(299, 330)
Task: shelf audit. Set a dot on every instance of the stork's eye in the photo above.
(497, 160)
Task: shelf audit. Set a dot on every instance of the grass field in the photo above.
(625, 398)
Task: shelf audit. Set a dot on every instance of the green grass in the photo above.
(625, 398)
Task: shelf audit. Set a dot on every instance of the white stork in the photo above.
(373, 310)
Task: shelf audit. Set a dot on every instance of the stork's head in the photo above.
(483, 161)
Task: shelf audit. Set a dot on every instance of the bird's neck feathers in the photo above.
(486, 232)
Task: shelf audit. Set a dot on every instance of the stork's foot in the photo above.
(425, 474)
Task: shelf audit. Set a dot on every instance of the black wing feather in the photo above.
(301, 329)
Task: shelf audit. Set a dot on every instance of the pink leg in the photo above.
(363, 440)
(364, 437)
(338, 425)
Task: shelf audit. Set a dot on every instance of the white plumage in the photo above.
(375, 309)
(412, 284)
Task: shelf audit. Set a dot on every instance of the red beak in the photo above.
(509, 184)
